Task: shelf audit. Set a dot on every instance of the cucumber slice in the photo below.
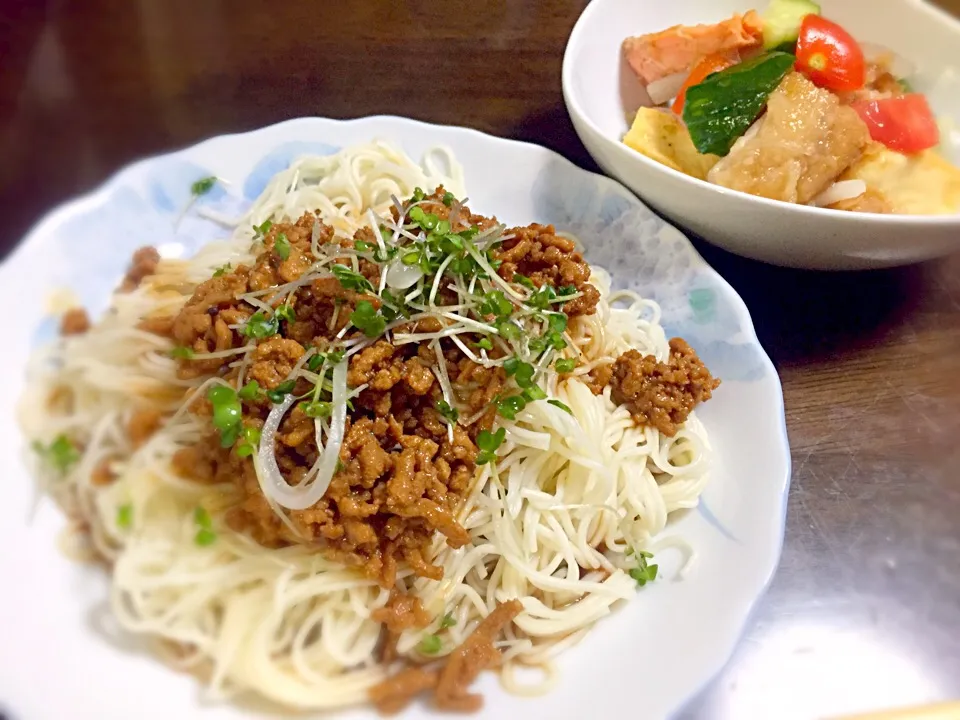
(782, 19)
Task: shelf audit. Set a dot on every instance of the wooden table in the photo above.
(865, 610)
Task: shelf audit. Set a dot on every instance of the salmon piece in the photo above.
(795, 151)
(679, 48)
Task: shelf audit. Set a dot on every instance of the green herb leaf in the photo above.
(260, 326)
(449, 413)
(534, 392)
(204, 537)
(448, 198)
(281, 246)
(249, 391)
(248, 446)
(125, 516)
(362, 246)
(222, 269)
(417, 194)
(565, 365)
(565, 290)
(367, 320)
(61, 453)
(496, 304)
(644, 573)
(203, 186)
(350, 279)
(562, 406)
(508, 407)
(524, 374)
(281, 391)
(318, 409)
(508, 330)
(181, 353)
(227, 413)
(524, 281)
(201, 518)
(263, 228)
(448, 620)
(430, 645)
(484, 344)
(488, 443)
(721, 108)
(285, 312)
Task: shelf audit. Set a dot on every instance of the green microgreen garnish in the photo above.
(203, 186)
(222, 269)
(430, 645)
(227, 413)
(250, 391)
(181, 352)
(565, 365)
(281, 246)
(488, 443)
(60, 454)
(260, 326)
(281, 391)
(362, 246)
(285, 312)
(350, 279)
(125, 516)
(317, 409)
(205, 534)
(446, 411)
(484, 344)
(368, 320)
(644, 572)
(524, 281)
(448, 620)
(263, 228)
(250, 438)
(562, 406)
(448, 198)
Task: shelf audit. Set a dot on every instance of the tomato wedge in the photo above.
(829, 56)
(905, 124)
(709, 65)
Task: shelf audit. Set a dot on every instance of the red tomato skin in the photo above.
(905, 124)
(829, 55)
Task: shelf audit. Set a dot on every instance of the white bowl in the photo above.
(600, 91)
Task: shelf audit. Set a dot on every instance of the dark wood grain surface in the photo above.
(865, 609)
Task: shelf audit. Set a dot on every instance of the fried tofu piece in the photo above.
(662, 136)
(799, 147)
(920, 184)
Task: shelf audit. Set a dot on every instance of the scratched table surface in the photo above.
(864, 612)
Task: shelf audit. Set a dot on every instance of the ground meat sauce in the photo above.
(143, 263)
(661, 394)
(450, 683)
(75, 321)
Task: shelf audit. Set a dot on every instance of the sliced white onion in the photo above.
(401, 277)
(272, 483)
(839, 191)
(898, 65)
(666, 88)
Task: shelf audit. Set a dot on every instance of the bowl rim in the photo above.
(574, 107)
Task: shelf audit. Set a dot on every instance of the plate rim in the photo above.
(49, 221)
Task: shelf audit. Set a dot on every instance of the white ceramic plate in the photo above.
(600, 91)
(646, 660)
